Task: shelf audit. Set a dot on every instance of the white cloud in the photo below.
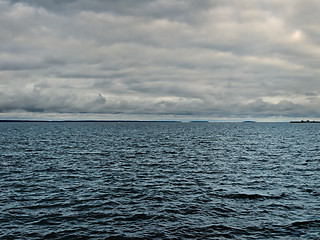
(153, 58)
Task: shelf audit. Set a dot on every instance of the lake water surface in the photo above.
(159, 180)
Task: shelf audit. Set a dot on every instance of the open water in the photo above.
(159, 181)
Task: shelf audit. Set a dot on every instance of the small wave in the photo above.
(214, 231)
(306, 224)
(225, 212)
(134, 217)
(123, 237)
(285, 207)
(169, 152)
(47, 206)
(67, 234)
(186, 210)
(251, 196)
(45, 222)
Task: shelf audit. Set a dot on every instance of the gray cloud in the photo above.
(212, 59)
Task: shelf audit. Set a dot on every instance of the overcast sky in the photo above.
(161, 59)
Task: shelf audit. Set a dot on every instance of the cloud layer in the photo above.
(196, 59)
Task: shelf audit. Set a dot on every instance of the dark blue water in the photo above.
(159, 181)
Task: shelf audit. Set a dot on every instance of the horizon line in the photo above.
(141, 121)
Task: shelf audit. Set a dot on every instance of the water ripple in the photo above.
(159, 181)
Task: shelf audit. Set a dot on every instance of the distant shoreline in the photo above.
(307, 121)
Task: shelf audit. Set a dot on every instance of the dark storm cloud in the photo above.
(217, 59)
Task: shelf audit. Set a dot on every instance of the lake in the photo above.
(159, 180)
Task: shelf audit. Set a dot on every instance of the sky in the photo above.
(160, 59)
